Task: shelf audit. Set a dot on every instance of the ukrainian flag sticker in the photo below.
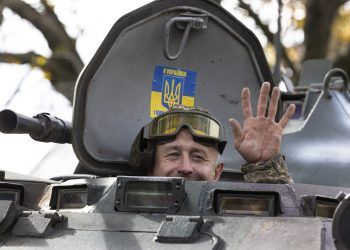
(171, 86)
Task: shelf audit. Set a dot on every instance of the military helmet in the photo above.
(203, 126)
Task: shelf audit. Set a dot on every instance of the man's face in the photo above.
(186, 158)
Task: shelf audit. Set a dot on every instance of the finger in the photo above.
(274, 103)
(246, 106)
(289, 113)
(237, 132)
(262, 103)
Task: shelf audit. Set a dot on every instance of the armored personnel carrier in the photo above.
(190, 52)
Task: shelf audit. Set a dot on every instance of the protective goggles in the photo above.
(201, 125)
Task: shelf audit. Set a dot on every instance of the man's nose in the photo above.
(185, 167)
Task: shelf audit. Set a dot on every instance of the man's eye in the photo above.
(173, 155)
(198, 158)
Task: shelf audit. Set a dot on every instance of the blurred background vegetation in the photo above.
(310, 29)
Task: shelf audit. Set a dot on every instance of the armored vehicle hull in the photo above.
(189, 52)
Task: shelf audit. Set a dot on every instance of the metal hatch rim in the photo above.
(89, 70)
(226, 27)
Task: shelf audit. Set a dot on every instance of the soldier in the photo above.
(188, 142)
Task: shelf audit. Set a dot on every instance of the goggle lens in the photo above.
(200, 125)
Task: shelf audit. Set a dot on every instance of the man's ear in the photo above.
(218, 170)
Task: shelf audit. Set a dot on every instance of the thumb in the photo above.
(237, 132)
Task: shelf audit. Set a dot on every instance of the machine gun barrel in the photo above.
(42, 127)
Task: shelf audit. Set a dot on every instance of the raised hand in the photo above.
(260, 139)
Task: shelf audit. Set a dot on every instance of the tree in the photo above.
(321, 22)
(321, 27)
(64, 64)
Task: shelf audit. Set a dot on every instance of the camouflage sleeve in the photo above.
(272, 171)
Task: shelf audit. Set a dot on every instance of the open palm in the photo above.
(260, 138)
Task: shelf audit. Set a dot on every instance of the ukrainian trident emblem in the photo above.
(172, 91)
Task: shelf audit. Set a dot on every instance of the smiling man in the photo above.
(188, 157)
(188, 142)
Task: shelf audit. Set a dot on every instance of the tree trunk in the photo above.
(320, 15)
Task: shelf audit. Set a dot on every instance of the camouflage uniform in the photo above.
(272, 171)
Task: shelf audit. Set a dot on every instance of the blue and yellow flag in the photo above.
(172, 86)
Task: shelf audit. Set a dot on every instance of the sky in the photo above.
(26, 91)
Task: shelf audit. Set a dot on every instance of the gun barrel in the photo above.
(13, 123)
(42, 127)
